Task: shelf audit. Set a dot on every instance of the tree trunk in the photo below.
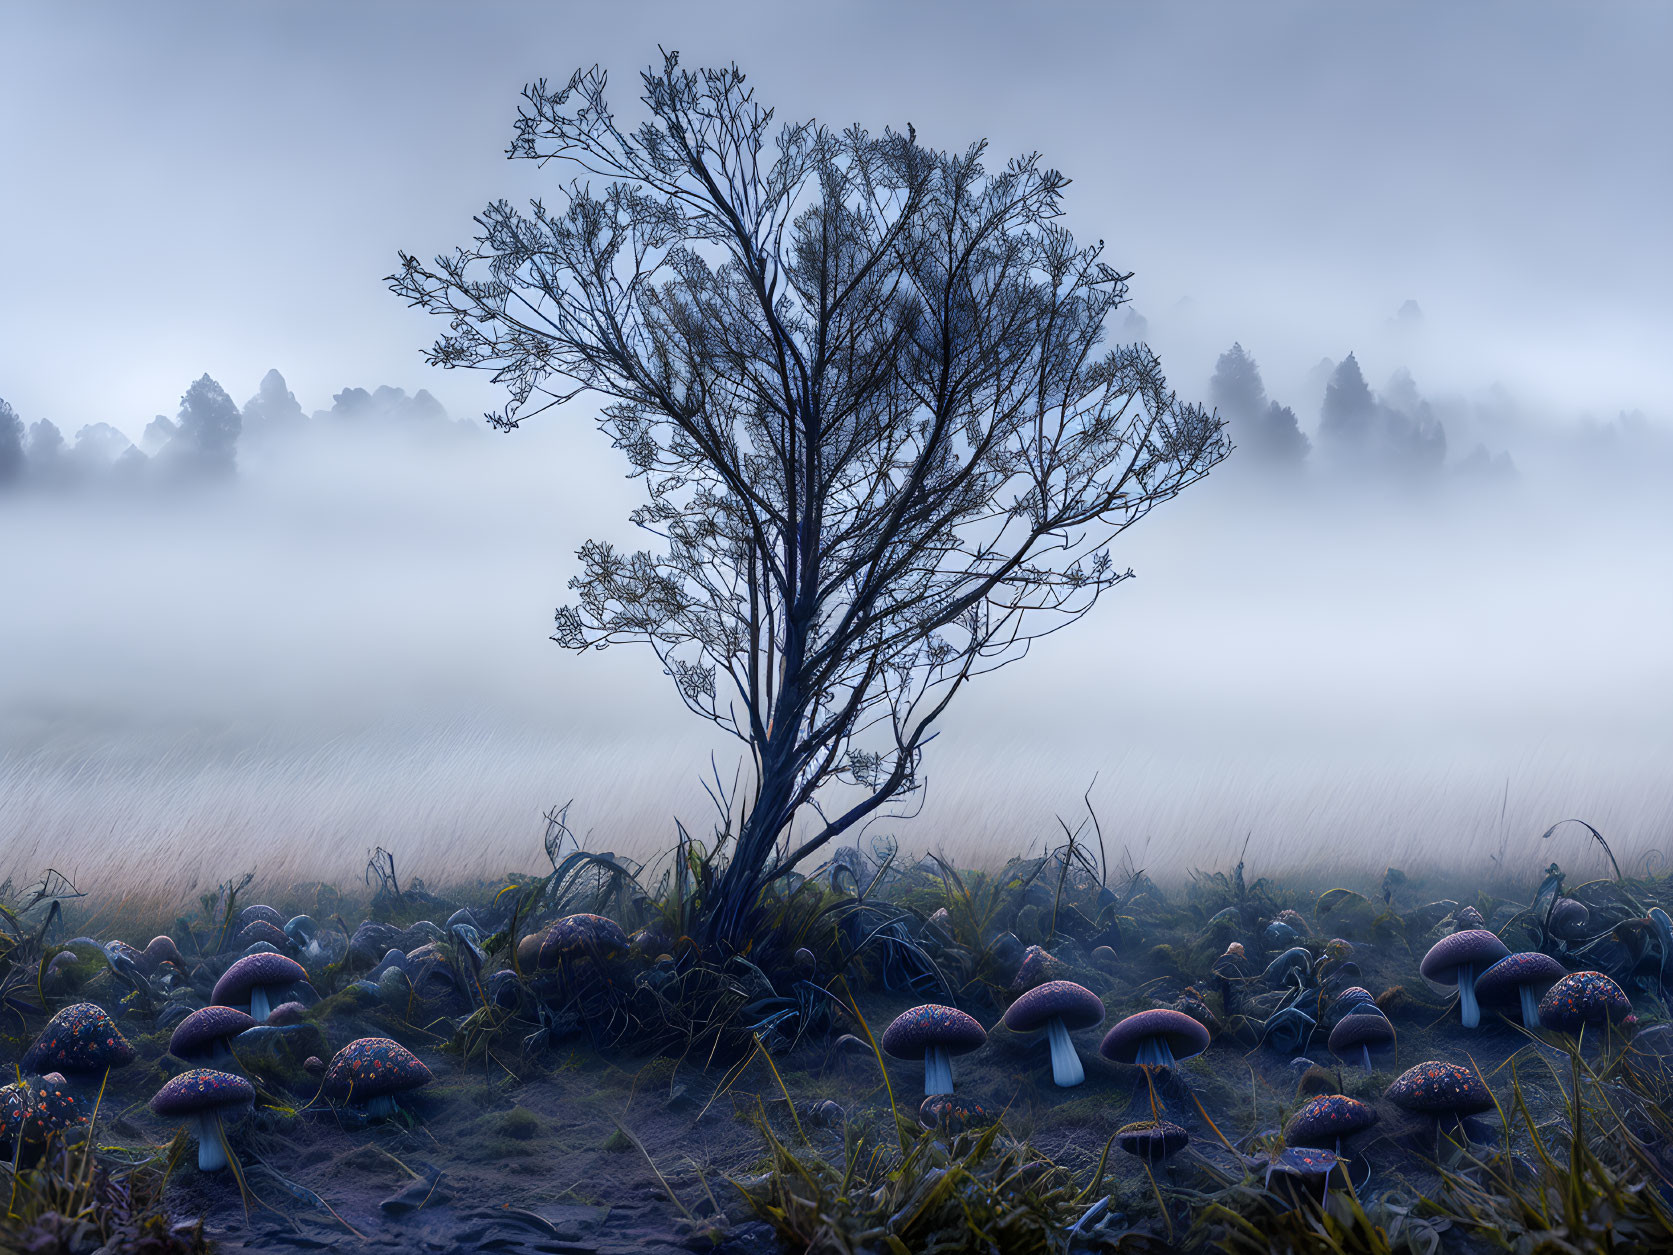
(732, 911)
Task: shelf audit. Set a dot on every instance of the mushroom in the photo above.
(264, 913)
(257, 979)
(1152, 1140)
(1059, 1007)
(1520, 978)
(951, 1114)
(579, 938)
(32, 1112)
(1568, 920)
(160, 950)
(259, 930)
(203, 1097)
(208, 1033)
(935, 1034)
(80, 1038)
(1157, 1038)
(1361, 1031)
(1583, 998)
(1324, 1121)
(1456, 960)
(1440, 1089)
(1351, 997)
(286, 1014)
(374, 1070)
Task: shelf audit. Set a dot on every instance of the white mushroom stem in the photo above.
(1469, 1010)
(938, 1070)
(1530, 1006)
(1066, 1067)
(1365, 1050)
(259, 1005)
(212, 1141)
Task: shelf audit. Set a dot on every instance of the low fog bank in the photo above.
(1342, 647)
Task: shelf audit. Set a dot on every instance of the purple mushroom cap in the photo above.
(1583, 998)
(207, 1033)
(373, 1070)
(1569, 919)
(255, 979)
(1155, 1038)
(1440, 1089)
(1519, 978)
(1351, 997)
(580, 938)
(1060, 1007)
(1076, 1005)
(1152, 1140)
(260, 930)
(1360, 1032)
(1457, 960)
(933, 1033)
(161, 950)
(202, 1097)
(1324, 1121)
(80, 1038)
(264, 913)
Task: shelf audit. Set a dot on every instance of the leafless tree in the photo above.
(884, 443)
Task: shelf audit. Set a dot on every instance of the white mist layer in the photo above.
(347, 648)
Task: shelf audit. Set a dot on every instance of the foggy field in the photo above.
(347, 649)
(460, 802)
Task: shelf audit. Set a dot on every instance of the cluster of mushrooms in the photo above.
(260, 993)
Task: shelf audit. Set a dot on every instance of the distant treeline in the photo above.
(1396, 431)
(202, 441)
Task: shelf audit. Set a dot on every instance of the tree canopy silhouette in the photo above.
(866, 384)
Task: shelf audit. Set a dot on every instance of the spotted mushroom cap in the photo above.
(1500, 983)
(260, 930)
(953, 1113)
(913, 1032)
(1440, 1089)
(1076, 1005)
(199, 1031)
(202, 1089)
(80, 1038)
(1152, 1140)
(254, 970)
(1306, 1162)
(1472, 946)
(264, 913)
(1322, 1121)
(371, 1067)
(576, 937)
(1185, 1036)
(1582, 998)
(29, 1111)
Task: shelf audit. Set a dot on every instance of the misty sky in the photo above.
(222, 188)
